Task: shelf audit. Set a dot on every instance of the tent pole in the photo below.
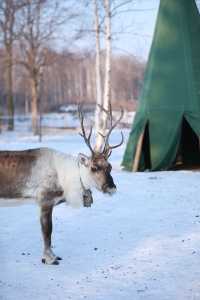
(138, 152)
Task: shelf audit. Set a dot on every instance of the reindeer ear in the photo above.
(83, 159)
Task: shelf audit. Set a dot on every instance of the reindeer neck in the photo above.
(85, 179)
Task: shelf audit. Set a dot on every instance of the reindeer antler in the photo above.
(83, 134)
(107, 150)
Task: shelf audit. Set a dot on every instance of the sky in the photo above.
(132, 28)
(141, 23)
(138, 26)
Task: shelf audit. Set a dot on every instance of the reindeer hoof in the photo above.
(43, 260)
(58, 258)
(55, 262)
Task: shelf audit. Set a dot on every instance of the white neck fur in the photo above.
(85, 176)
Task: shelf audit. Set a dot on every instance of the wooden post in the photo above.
(138, 152)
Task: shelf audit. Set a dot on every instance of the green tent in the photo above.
(166, 127)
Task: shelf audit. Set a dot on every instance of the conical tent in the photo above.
(168, 117)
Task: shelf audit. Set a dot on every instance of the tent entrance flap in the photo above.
(188, 155)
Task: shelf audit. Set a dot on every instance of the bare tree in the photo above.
(68, 76)
(32, 51)
(41, 20)
(8, 12)
(71, 79)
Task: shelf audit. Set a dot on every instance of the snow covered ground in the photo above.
(142, 243)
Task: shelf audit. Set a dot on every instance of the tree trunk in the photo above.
(103, 116)
(99, 100)
(107, 84)
(9, 88)
(34, 105)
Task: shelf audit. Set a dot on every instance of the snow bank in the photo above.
(142, 243)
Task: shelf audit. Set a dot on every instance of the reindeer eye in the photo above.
(96, 169)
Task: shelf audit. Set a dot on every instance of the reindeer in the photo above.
(52, 178)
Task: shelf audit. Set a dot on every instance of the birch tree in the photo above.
(106, 103)
(99, 98)
(103, 115)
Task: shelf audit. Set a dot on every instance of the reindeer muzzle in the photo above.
(109, 189)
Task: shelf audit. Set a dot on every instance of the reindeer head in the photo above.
(97, 164)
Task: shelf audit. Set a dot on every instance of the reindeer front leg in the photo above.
(46, 225)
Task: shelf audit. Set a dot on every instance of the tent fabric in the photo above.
(171, 89)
